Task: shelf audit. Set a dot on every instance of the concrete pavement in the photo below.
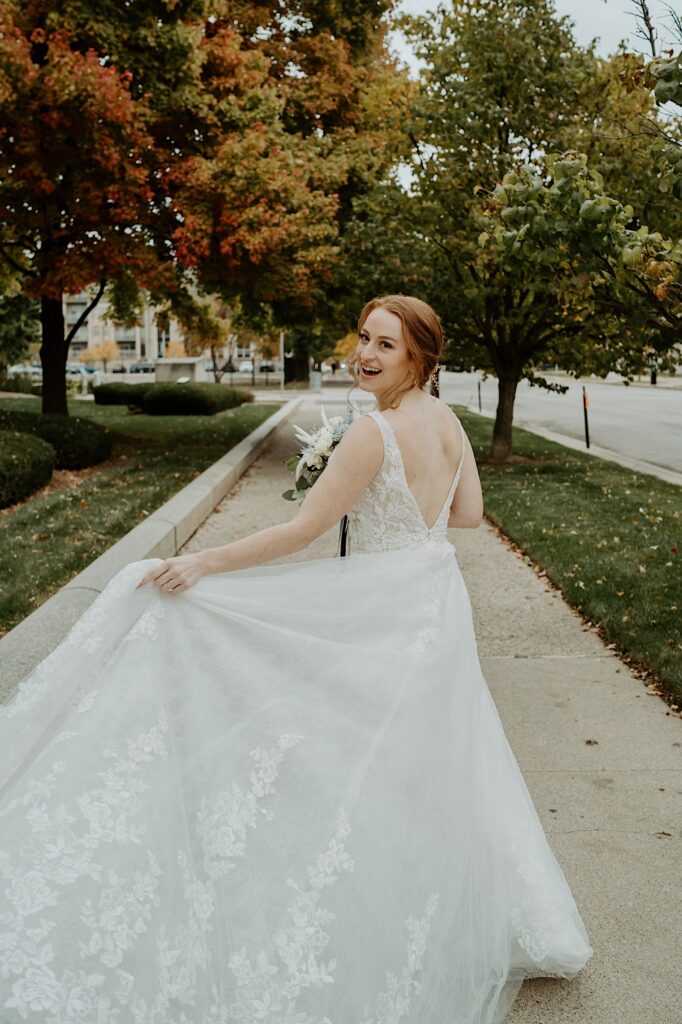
(602, 758)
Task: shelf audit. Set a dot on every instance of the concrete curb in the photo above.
(671, 476)
(160, 535)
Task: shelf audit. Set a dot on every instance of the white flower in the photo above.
(323, 442)
(302, 435)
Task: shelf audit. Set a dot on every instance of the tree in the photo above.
(503, 82)
(73, 186)
(19, 328)
(561, 276)
(661, 79)
(178, 148)
(528, 259)
(176, 350)
(106, 352)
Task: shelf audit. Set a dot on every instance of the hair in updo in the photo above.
(423, 336)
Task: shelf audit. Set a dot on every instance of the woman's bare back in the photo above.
(430, 443)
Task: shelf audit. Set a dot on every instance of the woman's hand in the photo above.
(175, 574)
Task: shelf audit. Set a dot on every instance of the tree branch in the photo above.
(646, 30)
(86, 312)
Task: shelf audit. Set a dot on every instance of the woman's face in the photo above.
(382, 353)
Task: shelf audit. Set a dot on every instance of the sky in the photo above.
(608, 20)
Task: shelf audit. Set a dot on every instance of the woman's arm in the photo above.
(353, 465)
(466, 510)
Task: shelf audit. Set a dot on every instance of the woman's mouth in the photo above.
(369, 371)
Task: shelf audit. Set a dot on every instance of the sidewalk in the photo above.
(663, 380)
(601, 756)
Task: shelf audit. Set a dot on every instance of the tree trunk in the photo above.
(53, 353)
(296, 368)
(502, 431)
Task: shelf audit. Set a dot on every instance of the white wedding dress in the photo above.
(283, 796)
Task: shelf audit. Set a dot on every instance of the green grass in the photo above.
(609, 538)
(48, 540)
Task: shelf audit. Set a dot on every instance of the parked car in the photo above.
(118, 369)
(246, 366)
(78, 369)
(267, 367)
(25, 370)
(141, 367)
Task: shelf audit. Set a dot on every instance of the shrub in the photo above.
(119, 393)
(20, 384)
(191, 399)
(77, 442)
(26, 464)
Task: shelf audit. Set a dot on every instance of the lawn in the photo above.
(609, 538)
(50, 538)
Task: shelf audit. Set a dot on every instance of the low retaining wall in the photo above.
(160, 535)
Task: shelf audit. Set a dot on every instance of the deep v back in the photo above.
(453, 484)
(387, 515)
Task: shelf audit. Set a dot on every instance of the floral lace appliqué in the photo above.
(542, 910)
(222, 829)
(386, 516)
(269, 991)
(396, 1002)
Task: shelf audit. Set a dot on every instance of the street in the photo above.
(642, 421)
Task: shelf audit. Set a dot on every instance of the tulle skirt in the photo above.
(283, 796)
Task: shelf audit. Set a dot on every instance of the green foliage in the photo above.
(20, 384)
(191, 399)
(553, 236)
(120, 393)
(77, 442)
(527, 259)
(200, 399)
(666, 75)
(26, 464)
(659, 79)
(19, 327)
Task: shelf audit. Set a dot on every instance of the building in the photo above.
(144, 341)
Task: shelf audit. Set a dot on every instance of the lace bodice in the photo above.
(387, 515)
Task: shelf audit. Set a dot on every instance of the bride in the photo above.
(282, 793)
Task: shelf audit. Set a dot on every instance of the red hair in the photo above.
(423, 335)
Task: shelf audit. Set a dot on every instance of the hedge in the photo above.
(120, 393)
(21, 384)
(201, 399)
(26, 464)
(77, 442)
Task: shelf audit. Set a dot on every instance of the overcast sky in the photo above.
(608, 20)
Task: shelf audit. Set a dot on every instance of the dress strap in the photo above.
(385, 427)
(464, 444)
(378, 418)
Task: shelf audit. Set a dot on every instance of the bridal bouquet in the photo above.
(316, 449)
